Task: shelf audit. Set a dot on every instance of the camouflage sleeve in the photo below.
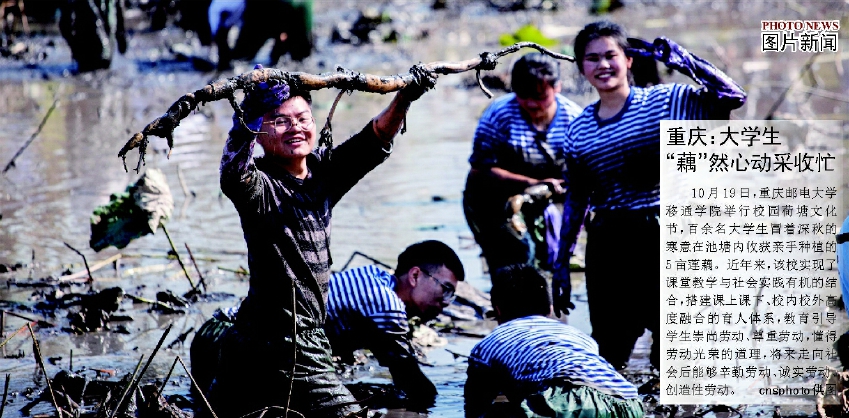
(238, 171)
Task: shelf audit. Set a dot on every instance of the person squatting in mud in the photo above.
(369, 308)
(613, 154)
(284, 201)
(544, 367)
(517, 144)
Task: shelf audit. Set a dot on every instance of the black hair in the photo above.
(304, 94)
(520, 290)
(595, 30)
(643, 72)
(531, 70)
(430, 255)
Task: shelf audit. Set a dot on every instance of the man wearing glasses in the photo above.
(369, 308)
(277, 354)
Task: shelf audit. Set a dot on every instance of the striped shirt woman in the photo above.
(613, 155)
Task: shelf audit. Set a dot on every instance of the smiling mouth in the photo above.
(294, 141)
(605, 75)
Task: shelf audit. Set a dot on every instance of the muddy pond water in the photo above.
(71, 166)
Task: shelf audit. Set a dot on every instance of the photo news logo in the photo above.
(799, 35)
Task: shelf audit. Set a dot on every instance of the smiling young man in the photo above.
(613, 154)
(284, 201)
(518, 143)
(369, 308)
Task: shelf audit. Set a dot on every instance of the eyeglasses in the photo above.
(448, 290)
(286, 123)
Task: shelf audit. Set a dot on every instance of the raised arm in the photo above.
(390, 120)
(718, 84)
(237, 165)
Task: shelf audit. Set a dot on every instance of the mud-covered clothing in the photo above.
(286, 224)
(506, 139)
(363, 311)
(526, 356)
(93, 31)
(615, 273)
(614, 171)
(569, 401)
(206, 345)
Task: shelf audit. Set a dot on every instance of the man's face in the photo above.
(289, 130)
(538, 103)
(433, 291)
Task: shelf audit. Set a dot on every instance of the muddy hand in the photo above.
(556, 185)
(561, 289)
(640, 48)
(674, 56)
(424, 81)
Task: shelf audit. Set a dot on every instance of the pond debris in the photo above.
(87, 269)
(202, 282)
(371, 26)
(135, 382)
(136, 212)
(177, 255)
(79, 396)
(181, 339)
(97, 266)
(20, 151)
(151, 404)
(38, 322)
(39, 359)
(156, 305)
(5, 268)
(96, 309)
(5, 393)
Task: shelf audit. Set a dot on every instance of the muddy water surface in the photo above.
(71, 167)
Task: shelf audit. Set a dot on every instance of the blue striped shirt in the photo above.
(504, 138)
(536, 350)
(614, 164)
(363, 299)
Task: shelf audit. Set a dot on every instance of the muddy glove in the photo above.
(675, 57)
(666, 51)
(424, 80)
(640, 48)
(561, 288)
(262, 98)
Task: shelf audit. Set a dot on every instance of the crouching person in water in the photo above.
(368, 308)
(544, 367)
(277, 355)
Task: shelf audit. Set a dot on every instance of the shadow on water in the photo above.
(71, 168)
